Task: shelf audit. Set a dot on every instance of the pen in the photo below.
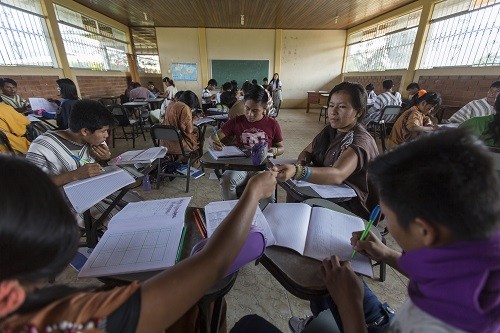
(214, 130)
(198, 224)
(79, 159)
(373, 217)
(181, 244)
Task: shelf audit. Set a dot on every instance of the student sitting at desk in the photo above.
(441, 201)
(415, 120)
(69, 95)
(487, 128)
(180, 115)
(341, 151)
(13, 124)
(249, 129)
(10, 97)
(41, 238)
(75, 153)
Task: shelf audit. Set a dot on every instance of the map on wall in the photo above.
(184, 72)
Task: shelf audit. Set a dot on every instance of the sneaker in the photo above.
(297, 324)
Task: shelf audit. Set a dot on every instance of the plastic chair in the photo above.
(388, 116)
(121, 116)
(171, 133)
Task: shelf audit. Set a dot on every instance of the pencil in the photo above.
(181, 244)
(200, 215)
(198, 224)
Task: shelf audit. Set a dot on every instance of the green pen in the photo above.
(181, 244)
(373, 217)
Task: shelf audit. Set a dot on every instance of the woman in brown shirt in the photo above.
(341, 151)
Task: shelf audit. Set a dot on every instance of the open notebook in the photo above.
(143, 236)
(315, 232)
(85, 193)
(226, 152)
(140, 156)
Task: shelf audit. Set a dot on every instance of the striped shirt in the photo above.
(16, 102)
(477, 108)
(386, 98)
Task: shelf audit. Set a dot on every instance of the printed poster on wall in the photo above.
(184, 72)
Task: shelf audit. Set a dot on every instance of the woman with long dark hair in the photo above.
(341, 151)
(69, 95)
(276, 86)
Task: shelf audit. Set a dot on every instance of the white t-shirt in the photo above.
(410, 318)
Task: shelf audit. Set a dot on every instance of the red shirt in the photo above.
(267, 129)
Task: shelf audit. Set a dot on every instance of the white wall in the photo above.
(310, 60)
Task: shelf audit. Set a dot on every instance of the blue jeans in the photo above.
(377, 315)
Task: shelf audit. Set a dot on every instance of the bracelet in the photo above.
(298, 171)
(308, 174)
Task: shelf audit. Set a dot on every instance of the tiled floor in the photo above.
(255, 290)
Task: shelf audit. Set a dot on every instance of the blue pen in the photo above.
(373, 217)
(79, 159)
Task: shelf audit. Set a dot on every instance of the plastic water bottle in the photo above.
(146, 183)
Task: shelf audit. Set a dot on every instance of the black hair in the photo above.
(68, 91)
(257, 94)
(65, 81)
(7, 80)
(254, 82)
(265, 79)
(212, 82)
(228, 98)
(135, 85)
(178, 94)
(446, 178)
(39, 239)
(358, 101)
(370, 87)
(246, 87)
(432, 98)
(413, 85)
(190, 99)
(91, 115)
(495, 84)
(387, 84)
(493, 130)
(277, 80)
(227, 86)
(166, 78)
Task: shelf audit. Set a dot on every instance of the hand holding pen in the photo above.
(373, 217)
(216, 143)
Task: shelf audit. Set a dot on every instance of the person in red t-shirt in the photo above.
(249, 129)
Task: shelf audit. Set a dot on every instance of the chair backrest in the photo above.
(167, 133)
(4, 140)
(120, 114)
(390, 113)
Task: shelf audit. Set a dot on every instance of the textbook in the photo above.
(140, 156)
(85, 193)
(195, 173)
(315, 232)
(143, 236)
(226, 152)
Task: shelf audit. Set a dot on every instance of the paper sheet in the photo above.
(85, 193)
(217, 211)
(38, 103)
(143, 236)
(330, 233)
(289, 224)
(226, 152)
(329, 191)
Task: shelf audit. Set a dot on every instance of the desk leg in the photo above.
(100, 220)
(307, 109)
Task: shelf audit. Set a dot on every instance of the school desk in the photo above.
(210, 319)
(301, 193)
(112, 98)
(315, 97)
(238, 164)
(298, 274)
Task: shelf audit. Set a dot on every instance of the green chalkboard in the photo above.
(239, 70)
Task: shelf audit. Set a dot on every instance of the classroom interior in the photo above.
(306, 42)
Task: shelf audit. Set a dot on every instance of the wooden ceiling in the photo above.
(259, 14)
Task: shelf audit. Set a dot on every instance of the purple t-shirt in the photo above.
(247, 133)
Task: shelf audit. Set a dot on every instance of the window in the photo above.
(23, 35)
(385, 46)
(145, 47)
(91, 44)
(463, 33)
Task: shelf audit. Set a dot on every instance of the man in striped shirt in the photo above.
(388, 97)
(478, 107)
(10, 97)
